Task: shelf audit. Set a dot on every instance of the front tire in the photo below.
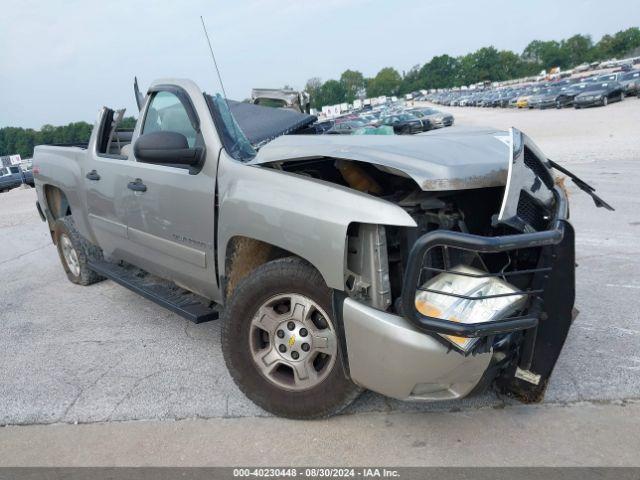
(281, 344)
(75, 252)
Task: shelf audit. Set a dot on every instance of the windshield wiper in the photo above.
(582, 185)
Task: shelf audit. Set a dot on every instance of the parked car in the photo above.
(406, 265)
(13, 176)
(556, 96)
(404, 123)
(609, 77)
(544, 98)
(523, 100)
(346, 127)
(631, 82)
(599, 93)
(322, 127)
(436, 118)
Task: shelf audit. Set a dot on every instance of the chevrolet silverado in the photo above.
(425, 267)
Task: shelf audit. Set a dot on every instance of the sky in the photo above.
(61, 60)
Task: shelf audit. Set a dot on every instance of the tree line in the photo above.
(17, 140)
(442, 71)
(485, 64)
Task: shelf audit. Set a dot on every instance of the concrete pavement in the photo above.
(103, 354)
(576, 435)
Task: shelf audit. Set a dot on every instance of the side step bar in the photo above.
(165, 293)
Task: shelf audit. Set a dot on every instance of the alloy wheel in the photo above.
(70, 255)
(293, 342)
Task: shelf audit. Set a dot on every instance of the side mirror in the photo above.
(166, 147)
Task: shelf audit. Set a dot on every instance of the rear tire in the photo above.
(264, 342)
(75, 252)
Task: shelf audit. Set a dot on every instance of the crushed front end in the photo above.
(481, 293)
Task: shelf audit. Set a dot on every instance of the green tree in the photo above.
(22, 141)
(546, 54)
(439, 72)
(331, 93)
(627, 40)
(577, 49)
(128, 123)
(487, 64)
(353, 84)
(411, 81)
(466, 72)
(510, 65)
(313, 87)
(617, 45)
(386, 82)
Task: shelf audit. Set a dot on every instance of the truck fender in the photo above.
(60, 168)
(303, 215)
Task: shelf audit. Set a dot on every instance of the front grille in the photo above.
(531, 212)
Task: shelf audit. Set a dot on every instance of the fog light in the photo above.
(468, 282)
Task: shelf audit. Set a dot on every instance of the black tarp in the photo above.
(261, 124)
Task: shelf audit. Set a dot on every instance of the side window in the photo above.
(166, 113)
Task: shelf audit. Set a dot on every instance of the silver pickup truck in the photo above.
(424, 267)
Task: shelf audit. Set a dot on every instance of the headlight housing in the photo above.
(467, 295)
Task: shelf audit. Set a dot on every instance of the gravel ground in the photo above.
(100, 353)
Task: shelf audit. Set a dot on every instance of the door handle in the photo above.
(93, 175)
(137, 186)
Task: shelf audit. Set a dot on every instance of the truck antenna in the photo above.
(215, 64)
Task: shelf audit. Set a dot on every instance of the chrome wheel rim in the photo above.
(293, 342)
(70, 255)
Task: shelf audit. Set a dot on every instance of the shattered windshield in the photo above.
(244, 127)
(233, 138)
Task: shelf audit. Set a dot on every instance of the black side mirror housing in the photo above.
(166, 147)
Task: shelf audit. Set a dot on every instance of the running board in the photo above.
(165, 293)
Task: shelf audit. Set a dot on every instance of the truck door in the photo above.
(104, 177)
(171, 208)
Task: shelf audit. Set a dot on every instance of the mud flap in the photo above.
(528, 382)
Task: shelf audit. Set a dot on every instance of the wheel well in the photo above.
(243, 255)
(57, 202)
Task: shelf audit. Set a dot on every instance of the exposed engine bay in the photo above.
(454, 284)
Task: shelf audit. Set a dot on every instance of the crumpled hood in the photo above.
(438, 160)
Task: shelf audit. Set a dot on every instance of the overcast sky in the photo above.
(61, 60)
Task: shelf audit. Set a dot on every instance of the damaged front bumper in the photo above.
(388, 355)
(407, 357)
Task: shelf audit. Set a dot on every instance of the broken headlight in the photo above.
(467, 295)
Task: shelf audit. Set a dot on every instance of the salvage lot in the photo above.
(102, 353)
